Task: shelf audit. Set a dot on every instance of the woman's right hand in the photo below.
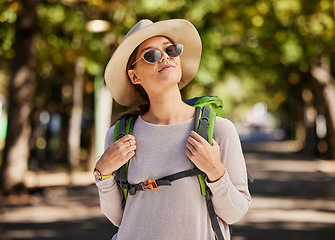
(116, 155)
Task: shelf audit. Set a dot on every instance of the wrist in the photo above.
(102, 166)
(101, 172)
(99, 176)
(216, 174)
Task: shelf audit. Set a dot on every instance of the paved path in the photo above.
(292, 199)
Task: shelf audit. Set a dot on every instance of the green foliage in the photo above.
(251, 48)
(7, 20)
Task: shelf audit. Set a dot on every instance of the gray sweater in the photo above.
(178, 211)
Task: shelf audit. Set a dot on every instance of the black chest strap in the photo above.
(166, 181)
(153, 184)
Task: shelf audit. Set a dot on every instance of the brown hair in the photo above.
(130, 65)
(142, 109)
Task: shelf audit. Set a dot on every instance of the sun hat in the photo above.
(177, 30)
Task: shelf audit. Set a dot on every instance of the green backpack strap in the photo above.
(123, 127)
(204, 125)
(207, 108)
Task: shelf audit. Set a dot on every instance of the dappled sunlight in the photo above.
(286, 210)
(51, 213)
(291, 197)
(44, 179)
(271, 62)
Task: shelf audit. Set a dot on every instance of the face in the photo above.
(155, 76)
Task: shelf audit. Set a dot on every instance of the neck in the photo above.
(168, 108)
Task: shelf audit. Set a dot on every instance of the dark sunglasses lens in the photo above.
(174, 50)
(152, 56)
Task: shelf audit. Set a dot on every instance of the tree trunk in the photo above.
(296, 115)
(301, 130)
(76, 116)
(103, 112)
(320, 70)
(22, 88)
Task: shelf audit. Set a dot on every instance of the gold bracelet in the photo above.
(98, 175)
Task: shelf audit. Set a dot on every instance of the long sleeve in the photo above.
(231, 197)
(109, 192)
(178, 211)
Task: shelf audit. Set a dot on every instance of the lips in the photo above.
(166, 67)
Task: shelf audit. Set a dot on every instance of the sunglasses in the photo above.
(155, 55)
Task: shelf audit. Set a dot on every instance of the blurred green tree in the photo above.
(277, 52)
(273, 52)
(22, 88)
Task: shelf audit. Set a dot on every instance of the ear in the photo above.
(133, 77)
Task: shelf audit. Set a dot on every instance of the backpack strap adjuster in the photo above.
(122, 128)
(150, 184)
(121, 135)
(203, 123)
(123, 185)
(205, 118)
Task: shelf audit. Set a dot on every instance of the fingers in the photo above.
(126, 138)
(131, 153)
(191, 140)
(117, 154)
(132, 142)
(199, 150)
(190, 147)
(189, 154)
(197, 137)
(130, 146)
(196, 142)
(195, 146)
(127, 142)
(215, 144)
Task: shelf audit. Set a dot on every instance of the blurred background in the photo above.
(271, 61)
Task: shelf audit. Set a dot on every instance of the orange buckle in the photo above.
(150, 184)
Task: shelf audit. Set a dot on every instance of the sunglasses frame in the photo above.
(176, 44)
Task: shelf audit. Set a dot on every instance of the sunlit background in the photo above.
(270, 61)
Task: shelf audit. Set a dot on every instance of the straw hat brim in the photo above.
(178, 30)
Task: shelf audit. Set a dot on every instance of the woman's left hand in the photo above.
(205, 156)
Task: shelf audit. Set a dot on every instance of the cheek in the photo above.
(179, 68)
(143, 70)
(179, 74)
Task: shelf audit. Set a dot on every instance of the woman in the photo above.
(151, 66)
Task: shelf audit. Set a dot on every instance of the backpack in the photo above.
(207, 108)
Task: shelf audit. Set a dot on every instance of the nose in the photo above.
(164, 56)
